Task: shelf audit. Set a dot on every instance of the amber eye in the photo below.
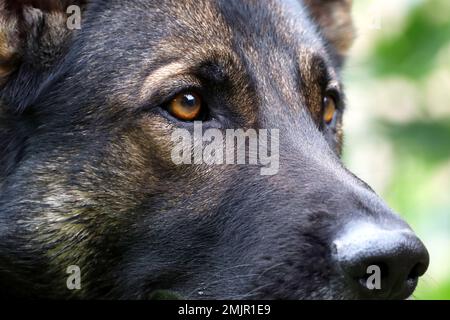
(329, 110)
(186, 106)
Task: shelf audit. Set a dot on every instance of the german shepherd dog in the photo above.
(86, 175)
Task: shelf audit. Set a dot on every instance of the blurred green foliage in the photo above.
(426, 140)
(418, 185)
(412, 51)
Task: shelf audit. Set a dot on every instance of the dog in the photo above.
(88, 182)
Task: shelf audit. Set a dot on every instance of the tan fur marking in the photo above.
(161, 74)
(9, 44)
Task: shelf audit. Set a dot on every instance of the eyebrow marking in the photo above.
(161, 74)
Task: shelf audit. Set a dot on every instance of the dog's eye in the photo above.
(186, 106)
(329, 110)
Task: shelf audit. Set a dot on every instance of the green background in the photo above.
(398, 119)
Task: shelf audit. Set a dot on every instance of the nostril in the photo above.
(384, 269)
(366, 272)
(381, 266)
(417, 271)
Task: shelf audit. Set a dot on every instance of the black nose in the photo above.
(379, 263)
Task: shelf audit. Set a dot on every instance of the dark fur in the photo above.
(86, 177)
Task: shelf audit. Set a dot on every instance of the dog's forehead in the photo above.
(285, 20)
(254, 23)
(268, 23)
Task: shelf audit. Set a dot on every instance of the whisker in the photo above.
(205, 286)
(270, 268)
(248, 294)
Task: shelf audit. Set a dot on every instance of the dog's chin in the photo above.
(170, 295)
(165, 295)
(322, 294)
(333, 290)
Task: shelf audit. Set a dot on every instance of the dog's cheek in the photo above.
(153, 137)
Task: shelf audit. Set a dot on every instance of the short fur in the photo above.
(85, 173)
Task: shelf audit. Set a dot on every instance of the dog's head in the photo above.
(87, 171)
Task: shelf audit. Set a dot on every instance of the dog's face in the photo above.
(87, 176)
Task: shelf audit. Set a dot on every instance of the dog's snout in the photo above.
(381, 263)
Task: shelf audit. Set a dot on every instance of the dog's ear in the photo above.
(9, 42)
(34, 35)
(32, 32)
(335, 21)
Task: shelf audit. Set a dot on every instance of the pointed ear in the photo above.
(335, 21)
(9, 43)
(32, 32)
